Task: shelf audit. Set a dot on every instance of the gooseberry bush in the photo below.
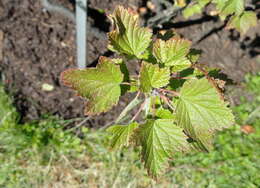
(231, 10)
(175, 113)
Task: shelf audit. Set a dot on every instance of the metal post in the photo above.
(81, 29)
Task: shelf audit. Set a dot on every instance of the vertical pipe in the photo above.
(81, 29)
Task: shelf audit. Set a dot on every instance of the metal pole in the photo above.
(81, 29)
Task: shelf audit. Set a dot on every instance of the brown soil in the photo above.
(37, 45)
(222, 48)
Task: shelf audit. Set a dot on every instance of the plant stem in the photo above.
(153, 107)
(125, 83)
(166, 100)
(174, 93)
(129, 107)
(138, 112)
(184, 78)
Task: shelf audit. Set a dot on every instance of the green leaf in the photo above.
(126, 79)
(172, 51)
(180, 3)
(243, 22)
(203, 2)
(194, 55)
(181, 64)
(151, 76)
(148, 56)
(195, 8)
(205, 143)
(220, 4)
(200, 111)
(160, 139)
(121, 134)
(133, 87)
(100, 85)
(192, 10)
(128, 38)
(232, 6)
(164, 114)
(117, 61)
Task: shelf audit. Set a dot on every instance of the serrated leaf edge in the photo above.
(102, 59)
(157, 44)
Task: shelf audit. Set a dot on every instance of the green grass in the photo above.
(43, 154)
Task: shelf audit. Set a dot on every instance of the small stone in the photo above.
(150, 5)
(47, 87)
(213, 13)
(63, 44)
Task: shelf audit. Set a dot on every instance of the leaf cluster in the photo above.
(231, 10)
(179, 114)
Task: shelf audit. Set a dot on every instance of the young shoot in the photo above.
(180, 105)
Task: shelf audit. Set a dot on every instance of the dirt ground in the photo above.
(37, 45)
